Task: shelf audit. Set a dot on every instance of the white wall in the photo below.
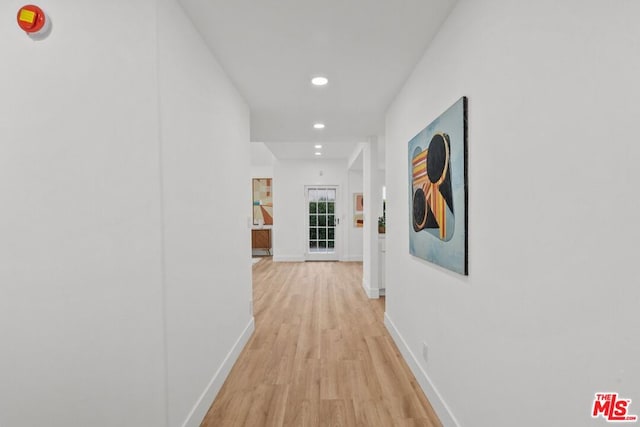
(206, 182)
(292, 176)
(262, 161)
(549, 313)
(80, 254)
(289, 208)
(82, 301)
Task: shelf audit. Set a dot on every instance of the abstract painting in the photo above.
(358, 210)
(262, 201)
(438, 190)
(358, 202)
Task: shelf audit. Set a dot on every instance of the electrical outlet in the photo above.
(425, 352)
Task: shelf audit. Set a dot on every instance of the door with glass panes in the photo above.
(322, 222)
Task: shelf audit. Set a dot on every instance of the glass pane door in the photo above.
(322, 222)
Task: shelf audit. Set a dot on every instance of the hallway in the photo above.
(320, 355)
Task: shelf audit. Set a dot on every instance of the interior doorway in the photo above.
(322, 222)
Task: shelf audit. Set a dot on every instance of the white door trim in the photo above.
(323, 256)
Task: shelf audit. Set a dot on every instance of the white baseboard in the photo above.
(352, 258)
(372, 293)
(197, 414)
(438, 404)
(288, 258)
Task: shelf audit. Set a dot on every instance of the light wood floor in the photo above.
(320, 356)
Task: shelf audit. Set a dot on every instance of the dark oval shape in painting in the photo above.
(419, 209)
(437, 158)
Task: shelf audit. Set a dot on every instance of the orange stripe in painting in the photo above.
(417, 182)
(268, 219)
(427, 191)
(443, 218)
(419, 158)
(421, 155)
(431, 200)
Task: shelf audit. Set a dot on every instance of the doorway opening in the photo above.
(321, 224)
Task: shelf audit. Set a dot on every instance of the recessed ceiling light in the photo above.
(318, 146)
(319, 81)
(317, 153)
(318, 126)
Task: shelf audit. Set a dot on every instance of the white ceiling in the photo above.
(272, 48)
(296, 150)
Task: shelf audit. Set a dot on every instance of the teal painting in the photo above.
(438, 194)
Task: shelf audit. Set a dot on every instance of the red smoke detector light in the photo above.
(31, 19)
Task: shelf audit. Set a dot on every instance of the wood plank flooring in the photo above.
(320, 356)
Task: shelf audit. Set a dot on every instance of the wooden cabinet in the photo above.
(261, 239)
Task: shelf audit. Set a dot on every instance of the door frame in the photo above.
(337, 236)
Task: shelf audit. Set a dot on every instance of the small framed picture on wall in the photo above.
(262, 202)
(358, 210)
